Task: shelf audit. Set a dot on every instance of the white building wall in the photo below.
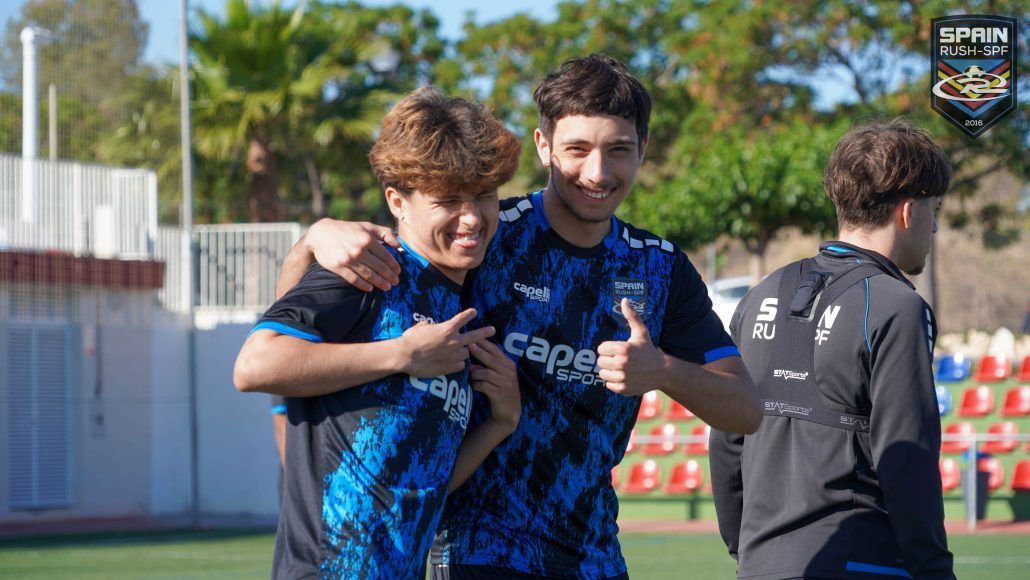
(129, 417)
(113, 468)
(239, 469)
(170, 484)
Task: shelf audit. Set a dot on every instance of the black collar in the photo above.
(836, 249)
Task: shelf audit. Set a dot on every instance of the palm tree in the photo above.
(274, 85)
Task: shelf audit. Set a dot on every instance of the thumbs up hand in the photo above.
(634, 366)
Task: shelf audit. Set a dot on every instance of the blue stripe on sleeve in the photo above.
(874, 569)
(287, 330)
(278, 410)
(719, 353)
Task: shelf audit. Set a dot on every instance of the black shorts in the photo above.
(469, 572)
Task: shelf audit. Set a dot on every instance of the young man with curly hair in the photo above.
(378, 382)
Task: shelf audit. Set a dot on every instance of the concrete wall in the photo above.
(170, 416)
(129, 422)
(239, 469)
(109, 422)
(112, 458)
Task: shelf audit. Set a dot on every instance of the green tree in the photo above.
(747, 184)
(78, 124)
(878, 50)
(97, 46)
(732, 80)
(274, 86)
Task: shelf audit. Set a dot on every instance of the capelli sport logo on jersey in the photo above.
(973, 70)
(635, 290)
(560, 360)
(422, 318)
(457, 400)
(542, 294)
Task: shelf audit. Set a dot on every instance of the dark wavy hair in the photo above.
(592, 85)
(875, 166)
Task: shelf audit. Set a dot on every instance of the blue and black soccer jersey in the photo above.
(367, 467)
(542, 502)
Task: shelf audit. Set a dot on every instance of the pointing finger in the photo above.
(487, 353)
(476, 335)
(461, 319)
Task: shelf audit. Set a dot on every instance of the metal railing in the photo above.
(236, 265)
(109, 212)
(970, 474)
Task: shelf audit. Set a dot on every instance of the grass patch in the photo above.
(247, 554)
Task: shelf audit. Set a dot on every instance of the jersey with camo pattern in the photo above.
(542, 502)
(367, 467)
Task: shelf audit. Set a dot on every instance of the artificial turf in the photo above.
(247, 554)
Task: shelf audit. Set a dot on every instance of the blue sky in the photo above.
(163, 17)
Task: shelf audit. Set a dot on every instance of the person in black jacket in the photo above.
(841, 479)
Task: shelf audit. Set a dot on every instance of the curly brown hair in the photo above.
(438, 144)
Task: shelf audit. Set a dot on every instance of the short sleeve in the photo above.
(691, 330)
(322, 307)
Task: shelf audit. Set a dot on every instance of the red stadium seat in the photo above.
(650, 406)
(960, 428)
(686, 477)
(700, 448)
(995, 472)
(1021, 476)
(615, 477)
(1006, 428)
(631, 445)
(993, 369)
(977, 402)
(678, 412)
(644, 477)
(1024, 370)
(1017, 401)
(666, 444)
(951, 474)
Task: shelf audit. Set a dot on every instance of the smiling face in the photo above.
(593, 162)
(451, 230)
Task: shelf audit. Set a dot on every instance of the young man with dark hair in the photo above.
(378, 385)
(842, 478)
(596, 313)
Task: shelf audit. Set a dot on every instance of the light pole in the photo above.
(30, 37)
(186, 220)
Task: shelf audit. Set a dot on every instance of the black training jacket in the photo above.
(841, 480)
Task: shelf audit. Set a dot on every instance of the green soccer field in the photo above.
(227, 554)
